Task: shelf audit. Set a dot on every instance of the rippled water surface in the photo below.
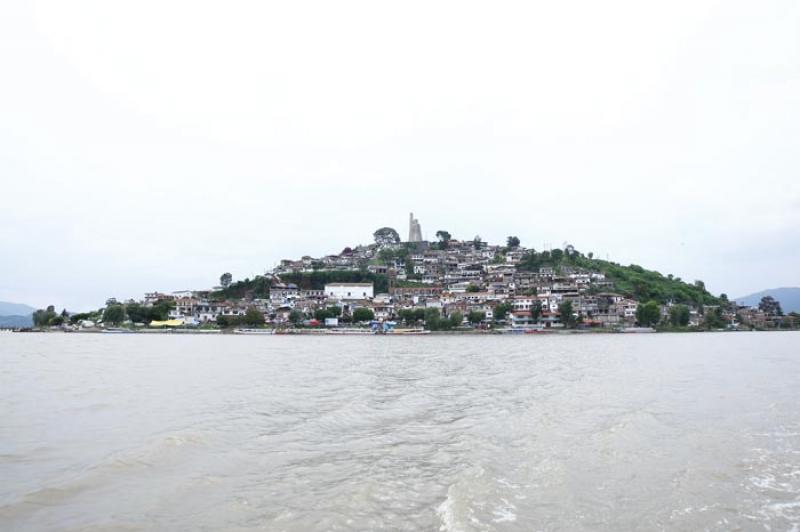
(582, 432)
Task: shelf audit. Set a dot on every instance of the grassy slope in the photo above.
(645, 285)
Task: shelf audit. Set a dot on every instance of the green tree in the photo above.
(160, 310)
(433, 319)
(386, 235)
(406, 315)
(114, 314)
(679, 315)
(456, 319)
(42, 317)
(536, 309)
(253, 317)
(223, 321)
(225, 280)
(648, 314)
(768, 304)
(475, 317)
(473, 288)
(411, 316)
(512, 242)
(386, 255)
(477, 243)
(296, 317)
(45, 317)
(363, 314)
(409, 269)
(567, 314)
(501, 311)
(557, 255)
(444, 238)
(700, 285)
(82, 316)
(713, 319)
(136, 313)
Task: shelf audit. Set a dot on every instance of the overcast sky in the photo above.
(153, 145)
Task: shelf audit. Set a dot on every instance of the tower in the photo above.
(414, 229)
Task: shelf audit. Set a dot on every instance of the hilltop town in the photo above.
(446, 284)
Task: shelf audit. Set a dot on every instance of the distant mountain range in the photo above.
(15, 309)
(15, 315)
(789, 298)
(15, 321)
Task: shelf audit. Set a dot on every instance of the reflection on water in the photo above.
(600, 432)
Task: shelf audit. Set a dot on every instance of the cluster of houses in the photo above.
(464, 277)
(762, 318)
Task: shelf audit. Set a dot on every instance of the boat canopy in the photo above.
(166, 323)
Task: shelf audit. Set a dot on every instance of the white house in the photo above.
(347, 291)
(522, 303)
(630, 306)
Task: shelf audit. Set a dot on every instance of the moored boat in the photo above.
(254, 331)
(349, 331)
(408, 331)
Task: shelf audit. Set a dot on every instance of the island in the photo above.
(448, 285)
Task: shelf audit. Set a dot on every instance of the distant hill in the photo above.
(15, 309)
(15, 315)
(16, 321)
(789, 298)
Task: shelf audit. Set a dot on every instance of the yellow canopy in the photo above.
(166, 323)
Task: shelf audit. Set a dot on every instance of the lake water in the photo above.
(580, 432)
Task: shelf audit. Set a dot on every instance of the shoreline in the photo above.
(367, 332)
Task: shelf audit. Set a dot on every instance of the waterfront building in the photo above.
(349, 291)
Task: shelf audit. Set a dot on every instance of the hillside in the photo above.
(15, 309)
(15, 321)
(788, 297)
(631, 281)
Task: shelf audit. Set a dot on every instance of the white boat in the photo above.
(349, 331)
(254, 331)
(406, 332)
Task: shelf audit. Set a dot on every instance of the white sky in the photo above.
(156, 144)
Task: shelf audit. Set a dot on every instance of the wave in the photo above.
(157, 452)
